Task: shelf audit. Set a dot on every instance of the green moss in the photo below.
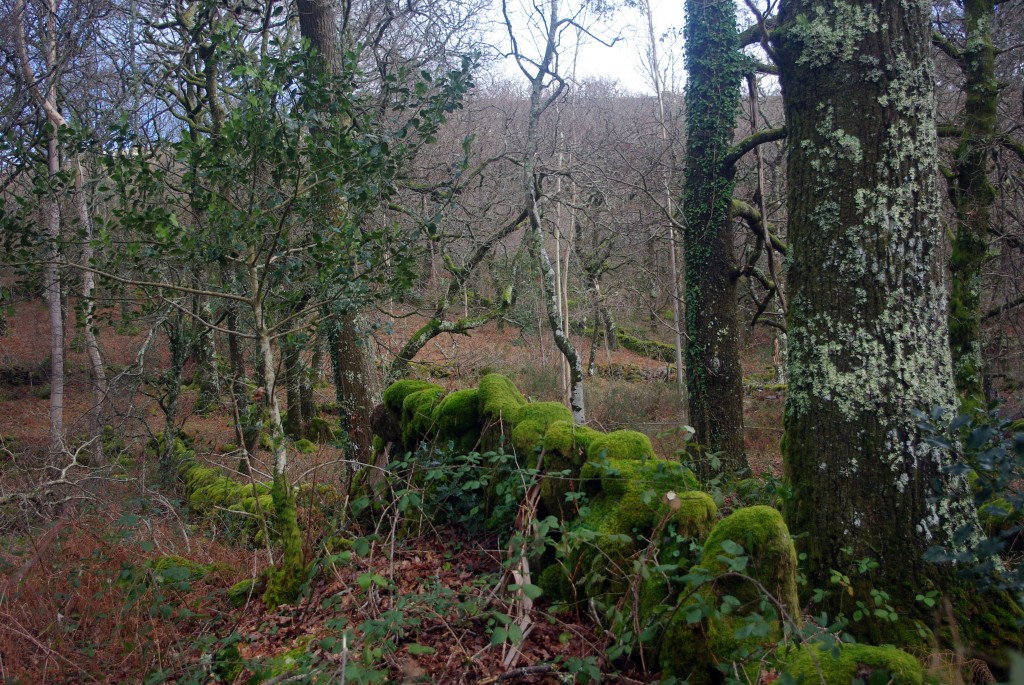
(554, 584)
(417, 416)
(765, 539)
(698, 651)
(616, 476)
(321, 429)
(531, 421)
(544, 413)
(456, 418)
(621, 444)
(647, 348)
(628, 503)
(526, 439)
(564, 438)
(195, 570)
(248, 504)
(499, 398)
(305, 446)
(998, 515)
(283, 663)
(752, 491)
(817, 665)
(241, 592)
(565, 447)
(284, 582)
(684, 652)
(394, 396)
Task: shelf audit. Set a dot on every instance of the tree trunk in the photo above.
(539, 102)
(52, 284)
(246, 426)
(714, 378)
(293, 421)
(355, 372)
(97, 375)
(177, 347)
(284, 582)
(972, 195)
(357, 384)
(309, 379)
(867, 321)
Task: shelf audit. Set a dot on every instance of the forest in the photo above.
(388, 341)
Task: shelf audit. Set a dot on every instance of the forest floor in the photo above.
(79, 603)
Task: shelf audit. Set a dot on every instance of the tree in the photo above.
(43, 88)
(715, 68)
(546, 86)
(867, 306)
(965, 35)
(714, 378)
(300, 162)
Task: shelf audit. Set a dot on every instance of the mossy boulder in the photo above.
(621, 444)
(321, 430)
(999, 517)
(530, 423)
(763, 535)
(630, 502)
(854, 662)
(241, 592)
(564, 445)
(456, 419)
(731, 632)
(177, 568)
(305, 446)
(618, 476)
(499, 398)
(418, 415)
(394, 396)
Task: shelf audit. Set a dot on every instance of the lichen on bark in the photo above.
(867, 317)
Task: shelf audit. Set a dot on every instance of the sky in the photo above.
(622, 61)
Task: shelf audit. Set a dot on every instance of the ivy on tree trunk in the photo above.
(714, 378)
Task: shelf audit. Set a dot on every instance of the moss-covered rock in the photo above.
(456, 419)
(305, 446)
(499, 398)
(766, 542)
(321, 430)
(241, 592)
(854, 662)
(621, 444)
(564, 448)
(530, 423)
(998, 516)
(648, 348)
(394, 396)
(696, 651)
(418, 416)
(617, 476)
(630, 499)
(178, 568)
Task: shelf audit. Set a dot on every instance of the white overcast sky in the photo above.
(622, 61)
